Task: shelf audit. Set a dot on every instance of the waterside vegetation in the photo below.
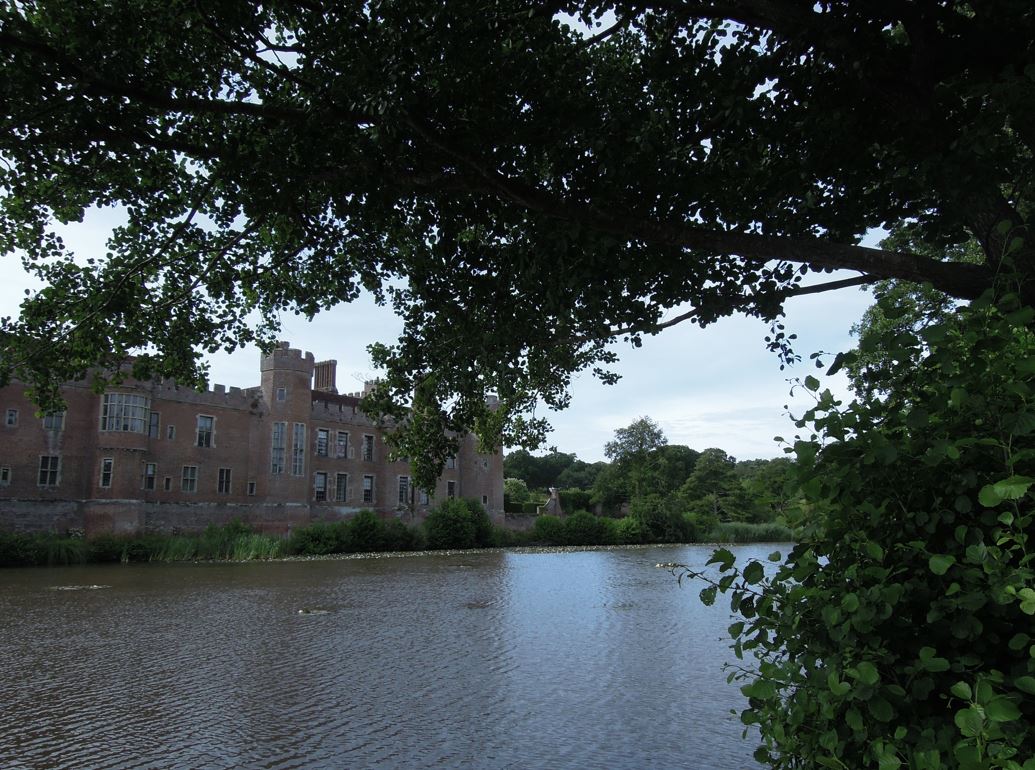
(454, 524)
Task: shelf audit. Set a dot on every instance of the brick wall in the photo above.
(208, 457)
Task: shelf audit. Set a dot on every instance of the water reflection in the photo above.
(495, 660)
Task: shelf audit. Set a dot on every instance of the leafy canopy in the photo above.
(521, 193)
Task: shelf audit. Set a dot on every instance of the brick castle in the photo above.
(151, 456)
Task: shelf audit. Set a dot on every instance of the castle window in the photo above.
(341, 487)
(124, 412)
(189, 479)
(54, 421)
(170, 432)
(223, 484)
(342, 444)
(107, 467)
(251, 488)
(11, 420)
(168, 483)
(150, 473)
(404, 490)
(281, 394)
(451, 462)
(320, 487)
(277, 462)
(368, 489)
(206, 426)
(152, 426)
(5, 476)
(298, 450)
(450, 489)
(323, 439)
(423, 498)
(49, 467)
(485, 499)
(368, 448)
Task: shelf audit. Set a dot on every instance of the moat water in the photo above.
(592, 659)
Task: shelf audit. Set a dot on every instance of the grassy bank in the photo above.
(458, 524)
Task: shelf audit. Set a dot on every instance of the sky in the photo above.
(712, 387)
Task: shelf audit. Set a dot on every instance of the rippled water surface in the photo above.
(592, 659)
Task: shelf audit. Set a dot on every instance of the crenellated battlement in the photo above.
(218, 395)
(286, 358)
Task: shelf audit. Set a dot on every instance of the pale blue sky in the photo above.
(717, 386)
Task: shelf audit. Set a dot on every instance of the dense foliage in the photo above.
(901, 630)
(458, 523)
(678, 494)
(471, 161)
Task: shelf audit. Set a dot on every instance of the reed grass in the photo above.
(744, 532)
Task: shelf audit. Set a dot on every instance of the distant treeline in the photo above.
(650, 480)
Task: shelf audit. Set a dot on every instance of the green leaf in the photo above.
(753, 572)
(850, 602)
(724, 558)
(707, 595)
(811, 383)
(1018, 641)
(1014, 487)
(936, 665)
(760, 688)
(989, 497)
(1002, 709)
(873, 550)
(969, 721)
(1025, 684)
(837, 686)
(854, 720)
(957, 397)
(880, 709)
(867, 673)
(939, 563)
(1023, 423)
(888, 762)
(961, 690)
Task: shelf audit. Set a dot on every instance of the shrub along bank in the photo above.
(454, 524)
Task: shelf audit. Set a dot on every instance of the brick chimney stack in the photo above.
(325, 376)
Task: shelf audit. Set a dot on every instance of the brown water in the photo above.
(593, 659)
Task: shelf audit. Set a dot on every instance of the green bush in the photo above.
(362, 533)
(400, 537)
(899, 631)
(575, 500)
(549, 530)
(532, 507)
(629, 531)
(318, 539)
(20, 550)
(107, 548)
(662, 520)
(451, 525)
(583, 528)
(482, 523)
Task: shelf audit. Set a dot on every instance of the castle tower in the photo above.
(287, 376)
